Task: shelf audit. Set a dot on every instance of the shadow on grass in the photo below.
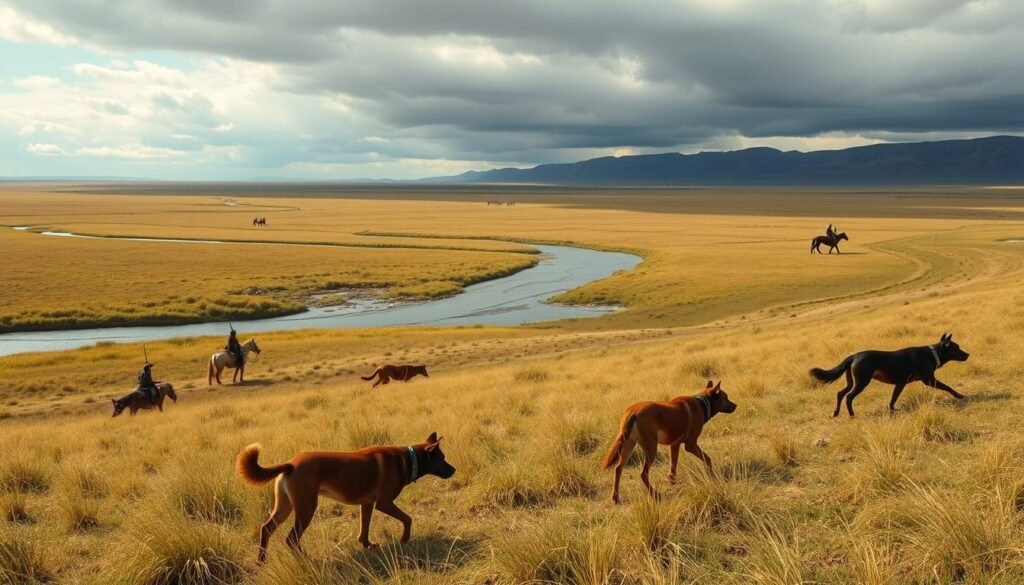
(257, 383)
(434, 553)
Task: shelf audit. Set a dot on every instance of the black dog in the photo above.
(898, 368)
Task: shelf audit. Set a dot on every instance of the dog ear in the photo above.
(718, 387)
(433, 444)
(710, 384)
(114, 401)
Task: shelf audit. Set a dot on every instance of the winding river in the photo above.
(517, 299)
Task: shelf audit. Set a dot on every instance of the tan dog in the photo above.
(674, 423)
(385, 374)
(371, 477)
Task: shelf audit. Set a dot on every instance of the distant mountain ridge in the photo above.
(996, 160)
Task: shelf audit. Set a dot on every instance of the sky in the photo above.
(349, 89)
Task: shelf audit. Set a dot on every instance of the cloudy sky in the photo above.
(335, 89)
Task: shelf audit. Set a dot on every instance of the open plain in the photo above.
(727, 291)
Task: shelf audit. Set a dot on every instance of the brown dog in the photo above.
(385, 374)
(676, 422)
(371, 477)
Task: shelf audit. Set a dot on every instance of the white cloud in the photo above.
(40, 127)
(132, 151)
(36, 82)
(44, 149)
(18, 28)
(140, 73)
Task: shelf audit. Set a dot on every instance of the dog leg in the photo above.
(377, 383)
(695, 449)
(282, 509)
(896, 396)
(860, 383)
(673, 452)
(627, 450)
(392, 510)
(940, 386)
(650, 449)
(842, 393)
(365, 513)
(305, 507)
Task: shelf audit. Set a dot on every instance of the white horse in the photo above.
(226, 359)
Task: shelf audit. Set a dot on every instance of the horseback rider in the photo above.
(235, 348)
(147, 386)
(830, 231)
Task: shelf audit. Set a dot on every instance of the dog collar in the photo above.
(705, 405)
(935, 354)
(414, 471)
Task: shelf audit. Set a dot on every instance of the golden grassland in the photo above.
(934, 494)
(680, 235)
(63, 283)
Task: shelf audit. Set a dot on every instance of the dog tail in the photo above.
(248, 467)
(616, 450)
(833, 374)
(371, 376)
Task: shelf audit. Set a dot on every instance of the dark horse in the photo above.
(833, 243)
(137, 401)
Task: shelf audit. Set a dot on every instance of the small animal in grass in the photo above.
(898, 368)
(371, 478)
(385, 374)
(675, 423)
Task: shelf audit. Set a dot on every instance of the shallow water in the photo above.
(517, 299)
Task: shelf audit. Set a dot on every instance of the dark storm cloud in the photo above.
(501, 80)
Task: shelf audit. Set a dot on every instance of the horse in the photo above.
(136, 401)
(226, 359)
(832, 243)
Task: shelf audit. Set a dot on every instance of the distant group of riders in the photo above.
(259, 222)
(150, 393)
(500, 203)
(147, 386)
